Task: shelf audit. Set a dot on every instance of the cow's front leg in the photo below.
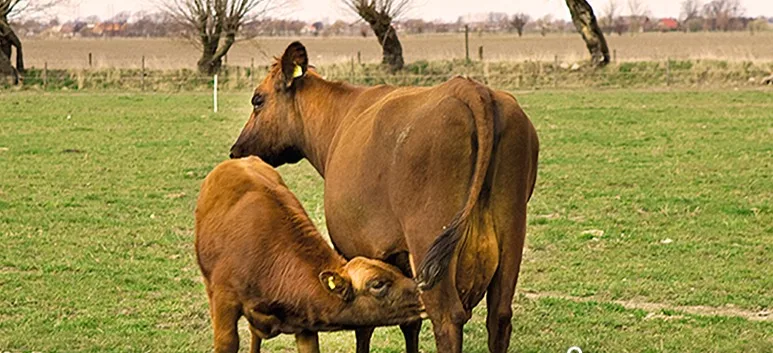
(363, 336)
(307, 342)
(411, 334)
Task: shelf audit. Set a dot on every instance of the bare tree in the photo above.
(518, 21)
(690, 9)
(545, 24)
(9, 39)
(379, 14)
(720, 14)
(690, 16)
(585, 22)
(214, 25)
(610, 12)
(637, 11)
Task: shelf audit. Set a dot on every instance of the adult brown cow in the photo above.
(263, 259)
(442, 174)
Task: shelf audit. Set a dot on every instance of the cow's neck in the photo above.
(323, 106)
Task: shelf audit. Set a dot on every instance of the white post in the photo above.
(215, 93)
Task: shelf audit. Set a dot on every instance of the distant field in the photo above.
(173, 54)
(649, 230)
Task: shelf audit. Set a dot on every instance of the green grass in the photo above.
(97, 192)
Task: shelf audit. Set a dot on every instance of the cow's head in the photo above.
(274, 129)
(374, 294)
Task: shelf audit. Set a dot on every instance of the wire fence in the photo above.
(509, 75)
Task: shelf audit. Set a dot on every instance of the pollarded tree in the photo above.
(518, 21)
(8, 41)
(8, 38)
(214, 25)
(379, 15)
(585, 22)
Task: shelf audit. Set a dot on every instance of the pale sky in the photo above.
(448, 10)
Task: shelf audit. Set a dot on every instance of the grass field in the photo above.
(164, 54)
(650, 229)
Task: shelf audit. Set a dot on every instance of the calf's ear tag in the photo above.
(298, 71)
(331, 283)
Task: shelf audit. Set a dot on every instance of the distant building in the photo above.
(71, 29)
(667, 25)
(108, 29)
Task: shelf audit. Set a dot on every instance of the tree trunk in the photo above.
(7, 72)
(8, 40)
(212, 53)
(585, 22)
(207, 64)
(391, 48)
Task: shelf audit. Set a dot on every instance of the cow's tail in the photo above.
(436, 262)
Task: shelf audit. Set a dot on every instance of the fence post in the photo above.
(668, 71)
(555, 71)
(252, 72)
(614, 55)
(485, 72)
(90, 63)
(214, 95)
(359, 57)
(142, 72)
(467, 43)
(480, 52)
(45, 75)
(351, 71)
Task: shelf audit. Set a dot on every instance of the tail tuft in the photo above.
(435, 265)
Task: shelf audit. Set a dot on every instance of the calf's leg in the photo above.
(255, 342)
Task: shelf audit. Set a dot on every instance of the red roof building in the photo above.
(668, 24)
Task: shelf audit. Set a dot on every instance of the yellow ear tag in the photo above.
(298, 72)
(330, 282)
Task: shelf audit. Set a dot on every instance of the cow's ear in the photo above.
(294, 63)
(337, 284)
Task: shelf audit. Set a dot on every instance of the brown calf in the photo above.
(262, 258)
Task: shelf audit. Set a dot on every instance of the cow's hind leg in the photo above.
(447, 314)
(363, 336)
(500, 292)
(225, 316)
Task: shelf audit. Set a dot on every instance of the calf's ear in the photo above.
(337, 284)
(294, 63)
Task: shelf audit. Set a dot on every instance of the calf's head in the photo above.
(275, 126)
(374, 294)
